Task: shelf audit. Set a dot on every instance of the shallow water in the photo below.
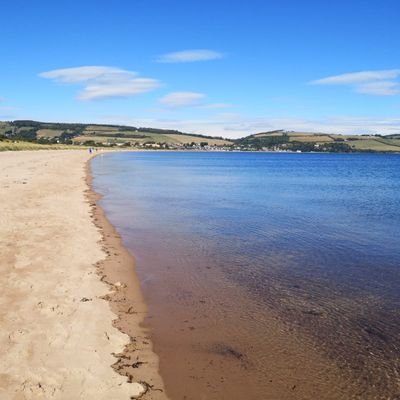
(267, 275)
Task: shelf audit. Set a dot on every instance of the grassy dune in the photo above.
(14, 146)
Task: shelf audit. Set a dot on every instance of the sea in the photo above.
(266, 275)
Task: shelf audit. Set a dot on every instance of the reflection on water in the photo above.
(235, 247)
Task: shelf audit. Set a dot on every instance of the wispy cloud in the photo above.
(358, 77)
(102, 81)
(190, 56)
(189, 99)
(379, 88)
(377, 83)
(182, 99)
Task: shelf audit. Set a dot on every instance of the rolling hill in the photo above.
(323, 142)
(104, 135)
(127, 136)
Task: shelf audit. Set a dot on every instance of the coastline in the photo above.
(137, 361)
(59, 338)
(73, 310)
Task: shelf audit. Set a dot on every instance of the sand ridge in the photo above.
(57, 334)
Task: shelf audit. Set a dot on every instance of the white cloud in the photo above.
(83, 74)
(190, 56)
(377, 83)
(102, 82)
(130, 87)
(357, 77)
(379, 88)
(181, 99)
(189, 99)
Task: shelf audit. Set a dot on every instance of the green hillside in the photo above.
(104, 135)
(49, 133)
(321, 142)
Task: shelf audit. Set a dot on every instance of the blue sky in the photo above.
(227, 68)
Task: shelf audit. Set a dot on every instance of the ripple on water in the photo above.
(265, 274)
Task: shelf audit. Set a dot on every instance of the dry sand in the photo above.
(58, 336)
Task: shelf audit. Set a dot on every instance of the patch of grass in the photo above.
(310, 138)
(154, 137)
(50, 133)
(390, 142)
(4, 127)
(267, 134)
(93, 128)
(8, 145)
(102, 139)
(372, 145)
(197, 139)
(123, 136)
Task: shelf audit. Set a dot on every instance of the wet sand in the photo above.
(137, 361)
(59, 336)
(284, 350)
(212, 348)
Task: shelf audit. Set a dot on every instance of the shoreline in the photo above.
(137, 361)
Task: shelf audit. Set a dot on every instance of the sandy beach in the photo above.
(71, 306)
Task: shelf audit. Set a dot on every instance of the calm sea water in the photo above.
(228, 242)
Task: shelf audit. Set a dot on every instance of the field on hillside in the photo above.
(373, 145)
(267, 134)
(391, 142)
(123, 136)
(103, 139)
(310, 138)
(198, 139)
(4, 127)
(100, 128)
(50, 133)
(31, 133)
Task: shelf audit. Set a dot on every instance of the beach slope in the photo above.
(57, 335)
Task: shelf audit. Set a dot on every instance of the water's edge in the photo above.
(138, 362)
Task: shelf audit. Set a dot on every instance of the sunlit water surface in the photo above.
(228, 242)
